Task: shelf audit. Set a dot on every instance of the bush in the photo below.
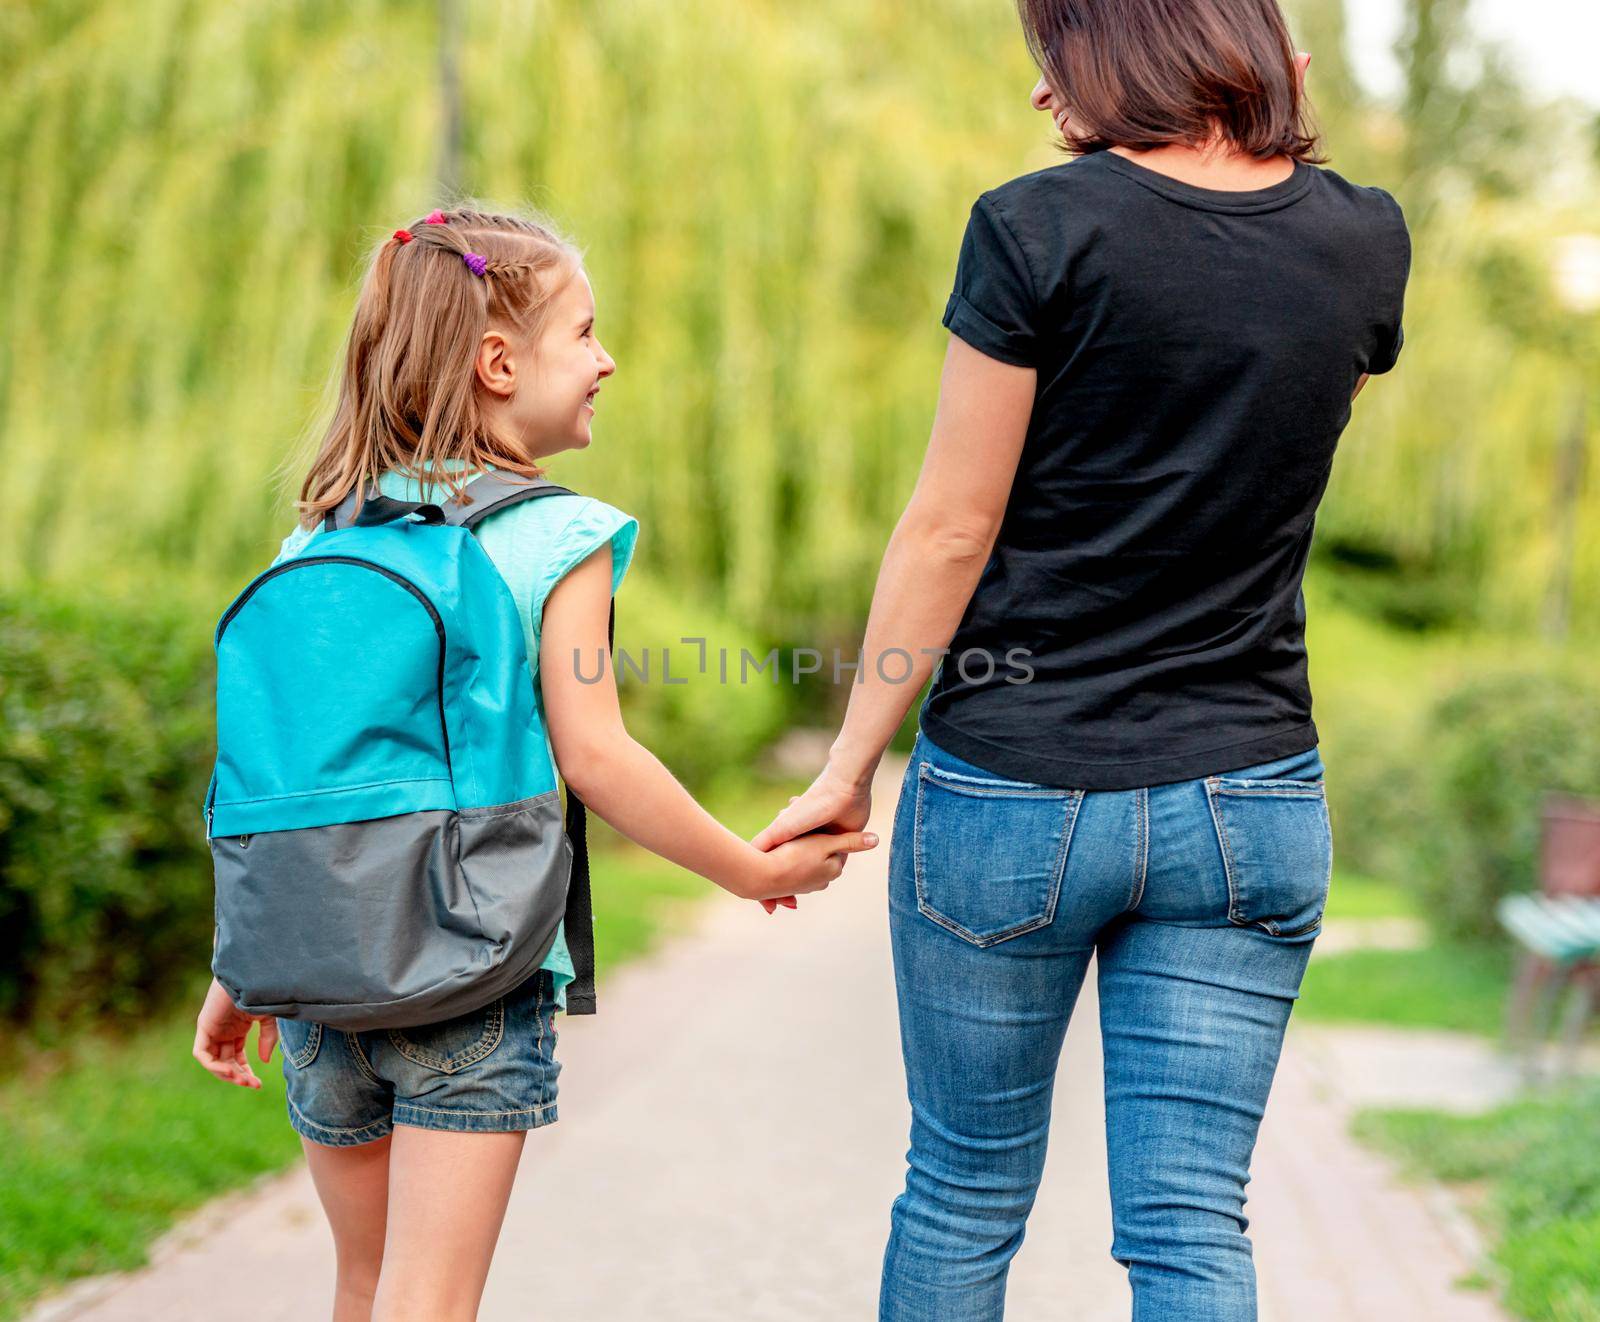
(699, 725)
(1493, 747)
(1369, 681)
(105, 747)
(107, 738)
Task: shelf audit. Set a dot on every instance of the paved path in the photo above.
(733, 1135)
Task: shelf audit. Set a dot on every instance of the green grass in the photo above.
(1538, 1166)
(1355, 896)
(1442, 985)
(105, 1144)
(638, 899)
(109, 1148)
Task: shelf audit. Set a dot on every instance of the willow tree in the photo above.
(771, 197)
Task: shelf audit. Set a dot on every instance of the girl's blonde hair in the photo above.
(407, 395)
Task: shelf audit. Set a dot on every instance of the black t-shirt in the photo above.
(1196, 352)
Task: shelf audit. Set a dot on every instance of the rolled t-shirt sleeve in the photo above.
(592, 525)
(1388, 351)
(993, 307)
(1393, 260)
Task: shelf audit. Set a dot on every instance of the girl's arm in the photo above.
(624, 782)
(932, 565)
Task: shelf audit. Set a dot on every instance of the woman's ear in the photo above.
(495, 367)
(1302, 61)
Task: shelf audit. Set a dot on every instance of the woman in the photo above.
(1155, 350)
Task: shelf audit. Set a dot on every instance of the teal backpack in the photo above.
(384, 819)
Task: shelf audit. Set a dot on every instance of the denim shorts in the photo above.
(490, 1071)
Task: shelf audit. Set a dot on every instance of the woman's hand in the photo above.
(804, 865)
(834, 802)
(219, 1038)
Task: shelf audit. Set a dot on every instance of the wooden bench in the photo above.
(1558, 931)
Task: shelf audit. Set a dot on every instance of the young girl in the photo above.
(474, 350)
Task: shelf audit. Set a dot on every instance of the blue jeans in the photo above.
(1201, 900)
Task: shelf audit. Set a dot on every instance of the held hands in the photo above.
(835, 809)
(219, 1038)
(810, 863)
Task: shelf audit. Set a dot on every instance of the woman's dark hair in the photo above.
(1148, 73)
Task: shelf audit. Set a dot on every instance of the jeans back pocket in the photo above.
(989, 854)
(452, 1044)
(299, 1040)
(1277, 851)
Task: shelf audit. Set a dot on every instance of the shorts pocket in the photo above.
(299, 1041)
(989, 853)
(1277, 850)
(452, 1044)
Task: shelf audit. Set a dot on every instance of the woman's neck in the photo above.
(1212, 165)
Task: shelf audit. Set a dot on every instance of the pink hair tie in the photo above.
(435, 218)
(476, 264)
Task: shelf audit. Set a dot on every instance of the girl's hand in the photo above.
(804, 865)
(219, 1038)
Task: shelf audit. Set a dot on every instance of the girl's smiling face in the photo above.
(569, 365)
(545, 388)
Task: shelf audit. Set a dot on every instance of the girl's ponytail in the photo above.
(407, 392)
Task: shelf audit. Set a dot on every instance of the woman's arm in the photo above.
(933, 562)
(624, 782)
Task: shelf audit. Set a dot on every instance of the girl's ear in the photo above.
(495, 368)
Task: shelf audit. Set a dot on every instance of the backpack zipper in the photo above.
(406, 583)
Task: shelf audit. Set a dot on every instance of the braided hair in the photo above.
(407, 392)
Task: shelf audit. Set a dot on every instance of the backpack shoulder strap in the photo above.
(488, 493)
(343, 514)
(495, 491)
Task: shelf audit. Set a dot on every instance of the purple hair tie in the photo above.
(476, 264)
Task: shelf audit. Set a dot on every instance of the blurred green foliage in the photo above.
(105, 743)
(1441, 747)
(771, 196)
(699, 724)
(1495, 745)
